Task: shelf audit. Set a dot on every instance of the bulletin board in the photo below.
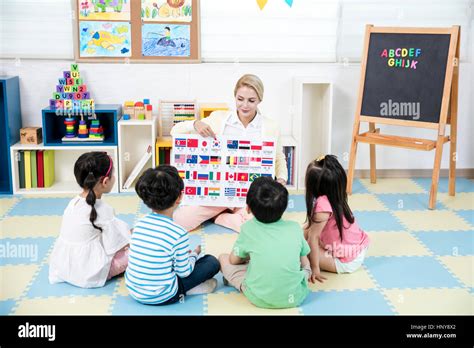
(137, 31)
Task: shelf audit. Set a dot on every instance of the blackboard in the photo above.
(412, 92)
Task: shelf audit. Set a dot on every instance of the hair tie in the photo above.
(91, 173)
(320, 158)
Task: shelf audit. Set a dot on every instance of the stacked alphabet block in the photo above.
(71, 93)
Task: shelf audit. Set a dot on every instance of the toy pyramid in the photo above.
(72, 100)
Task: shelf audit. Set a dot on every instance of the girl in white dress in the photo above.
(92, 246)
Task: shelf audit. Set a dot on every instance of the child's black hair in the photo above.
(326, 177)
(89, 169)
(159, 188)
(267, 199)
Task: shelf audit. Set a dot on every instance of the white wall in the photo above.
(213, 82)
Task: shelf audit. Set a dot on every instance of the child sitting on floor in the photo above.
(162, 269)
(92, 246)
(337, 243)
(277, 270)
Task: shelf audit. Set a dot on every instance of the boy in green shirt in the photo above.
(268, 262)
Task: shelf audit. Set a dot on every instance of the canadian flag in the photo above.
(229, 176)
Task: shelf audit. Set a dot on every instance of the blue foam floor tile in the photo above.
(462, 184)
(407, 201)
(409, 272)
(377, 221)
(211, 228)
(448, 243)
(358, 302)
(40, 206)
(42, 288)
(126, 305)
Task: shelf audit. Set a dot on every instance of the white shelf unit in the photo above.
(134, 136)
(64, 159)
(312, 121)
(289, 141)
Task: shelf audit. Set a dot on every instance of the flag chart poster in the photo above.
(218, 172)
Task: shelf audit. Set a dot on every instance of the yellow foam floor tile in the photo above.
(461, 201)
(122, 288)
(299, 217)
(30, 226)
(431, 301)
(216, 244)
(124, 204)
(365, 202)
(14, 279)
(237, 304)
(432, 220)
(395, 244)
(6, 204)
(461, 267)
(392, 186)
(68, 305)
(359, 280)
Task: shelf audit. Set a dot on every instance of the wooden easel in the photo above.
(448, 115)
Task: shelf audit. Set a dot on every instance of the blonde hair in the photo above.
(251, 81)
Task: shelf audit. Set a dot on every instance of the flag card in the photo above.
(218, 172)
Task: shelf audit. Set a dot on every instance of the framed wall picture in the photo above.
(154, 31)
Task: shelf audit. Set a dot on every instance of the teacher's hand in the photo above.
(281, 181)
(203, 129)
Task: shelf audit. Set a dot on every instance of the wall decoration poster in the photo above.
(104, 39)
(105, 10)
(167, 10)
(166, 40)
(219, 172)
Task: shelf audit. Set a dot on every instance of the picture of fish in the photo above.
(105, 39)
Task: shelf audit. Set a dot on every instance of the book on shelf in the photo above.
(27, 169)
(138, 168)
(48, 166)
(21, 169)
(290, 161)
(34, 170)
(40, 166)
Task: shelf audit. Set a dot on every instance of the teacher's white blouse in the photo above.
(82, 254)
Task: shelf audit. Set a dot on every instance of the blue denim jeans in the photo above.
(205, 268)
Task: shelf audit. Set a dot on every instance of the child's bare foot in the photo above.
(204, 288)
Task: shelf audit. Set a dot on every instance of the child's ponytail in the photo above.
(89, 183)
(89, 169)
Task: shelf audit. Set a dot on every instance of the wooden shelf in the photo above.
(398, 141)
(64, 159)
(134, 137)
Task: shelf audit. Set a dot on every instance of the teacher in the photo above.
(246, 121)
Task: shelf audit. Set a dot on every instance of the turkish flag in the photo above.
(190, 191)
(192, 143)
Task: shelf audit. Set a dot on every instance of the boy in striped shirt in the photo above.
(161, 268)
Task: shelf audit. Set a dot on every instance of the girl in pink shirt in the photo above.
(337, 243)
